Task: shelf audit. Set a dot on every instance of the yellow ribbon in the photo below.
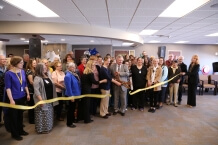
(50, 101)
(147, 88)
(77, 97)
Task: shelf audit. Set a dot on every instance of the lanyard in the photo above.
(19, 78)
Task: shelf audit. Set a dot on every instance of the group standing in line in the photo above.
(41, 82)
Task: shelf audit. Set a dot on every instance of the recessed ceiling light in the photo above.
(1, 7)
(153, 41)
(92, 41)
(181, 42)
(126, 44)
(179, 8)
(22, 39)
(33, 7)
(62, 39)
(147, 32)
(212, 35)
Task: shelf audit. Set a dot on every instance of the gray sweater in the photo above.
(39, 90)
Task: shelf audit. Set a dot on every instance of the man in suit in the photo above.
(170, 60)
(119, 72)
(183, 68)
(2, 84)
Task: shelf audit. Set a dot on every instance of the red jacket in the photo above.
(81, 69)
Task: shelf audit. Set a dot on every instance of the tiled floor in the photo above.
(167, 126)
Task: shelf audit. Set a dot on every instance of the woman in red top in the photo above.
(82, 65)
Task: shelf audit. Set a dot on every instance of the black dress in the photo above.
(193, 80)
(86, 81)
(31, 101)
(139, 82)
(44, 115)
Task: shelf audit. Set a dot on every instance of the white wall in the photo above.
(69, 48)
(206, 53)
(2, 49)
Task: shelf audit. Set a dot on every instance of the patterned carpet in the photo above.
(167, 126)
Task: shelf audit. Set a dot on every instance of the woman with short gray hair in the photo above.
(72, 85)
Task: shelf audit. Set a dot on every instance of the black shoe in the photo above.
(133, 108)
(105, 117)
(179, 103)
(71, 126)
(150, 110)
(75, 121)
(109, 114)
(122, 114)
(17, 138)
(153, 110)
(31, 122)
(88, 121)
(24, 133)
(114, 113)
(160, 107)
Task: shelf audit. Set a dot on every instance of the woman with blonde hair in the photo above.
(193, 80)
(95, 88)
(87, 80)
(58, 79)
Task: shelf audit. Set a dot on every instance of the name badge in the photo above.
(47, 82)
(21, 89)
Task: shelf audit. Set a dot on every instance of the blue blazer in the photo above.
(72, 85)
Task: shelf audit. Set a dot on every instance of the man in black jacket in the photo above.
(183, 68)
(2, 72)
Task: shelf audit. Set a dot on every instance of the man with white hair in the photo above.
(119, 71)
(26, 58)
(170, 60)
(2, 72)
(183, 68)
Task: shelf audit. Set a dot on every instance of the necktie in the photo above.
(118, 68)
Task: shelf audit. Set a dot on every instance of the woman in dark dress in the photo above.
(87, 80)
(139, 73)
(193, 80)
(30, 73)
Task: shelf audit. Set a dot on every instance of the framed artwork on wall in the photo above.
(132, 52)
(120, 52)
(176, 53)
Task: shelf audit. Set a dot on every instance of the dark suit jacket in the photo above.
(193, 76)
(183, 69)
(124, 73)
(171, 74)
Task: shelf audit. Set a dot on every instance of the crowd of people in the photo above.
(25, 81)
